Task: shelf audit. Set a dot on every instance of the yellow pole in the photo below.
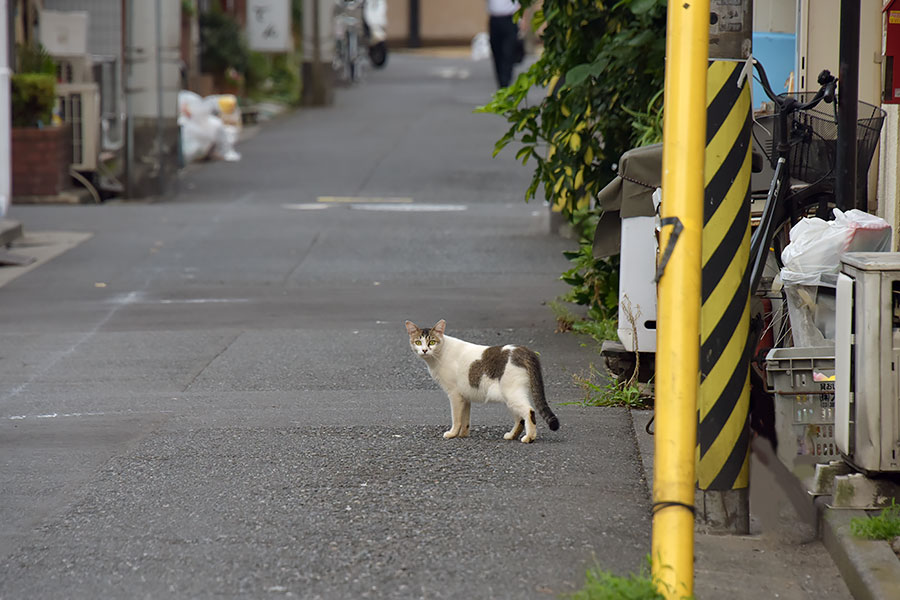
(678, 313)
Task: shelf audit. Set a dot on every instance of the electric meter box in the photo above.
(867, 361)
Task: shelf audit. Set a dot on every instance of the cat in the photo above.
(472, 373)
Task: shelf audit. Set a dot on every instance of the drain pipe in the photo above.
(5, 125)
(129, 100)
(160, 173)
(848, 77)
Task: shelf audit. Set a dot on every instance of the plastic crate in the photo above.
(802, 380)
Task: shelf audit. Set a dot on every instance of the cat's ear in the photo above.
(411, 328)
(439, 327)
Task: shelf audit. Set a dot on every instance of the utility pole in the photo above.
(318, 49)
(679, 289)
(848, 108)
(723, 428)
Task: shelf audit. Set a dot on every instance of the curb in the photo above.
(10, 231)
(870, 568)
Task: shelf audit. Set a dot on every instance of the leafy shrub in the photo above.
(222, 43)
(34, 59)
(32, 96)
(603, 62)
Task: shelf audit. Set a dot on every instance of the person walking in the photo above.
(504, 35)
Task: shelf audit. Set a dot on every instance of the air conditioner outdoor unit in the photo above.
(79, 105)
(867, 361)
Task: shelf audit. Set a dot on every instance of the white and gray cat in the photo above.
(473, 373)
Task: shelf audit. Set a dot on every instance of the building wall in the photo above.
(440, 21)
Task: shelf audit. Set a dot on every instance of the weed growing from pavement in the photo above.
(884, 526)
(603, 585)
(600, 391)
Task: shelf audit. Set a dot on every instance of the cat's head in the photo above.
(426, 342)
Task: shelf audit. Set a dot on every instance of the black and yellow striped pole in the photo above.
(723, 407)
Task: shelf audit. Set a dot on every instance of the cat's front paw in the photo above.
(527, 439)
(509, 435)
(450, 434)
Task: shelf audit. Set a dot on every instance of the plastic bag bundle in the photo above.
(817, 246)
(481, 46)
(209, 126)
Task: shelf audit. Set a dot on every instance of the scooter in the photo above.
(375, 22)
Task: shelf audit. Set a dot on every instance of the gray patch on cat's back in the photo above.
(523, 357)
(491, 364)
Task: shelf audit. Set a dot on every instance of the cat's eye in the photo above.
(431, 342)
(418, 342)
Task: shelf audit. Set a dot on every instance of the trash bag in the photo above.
(198, 126)
(210, 126)
(481, 46)
(811, 262)
(817, 246)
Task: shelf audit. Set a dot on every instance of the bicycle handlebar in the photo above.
(826, 80)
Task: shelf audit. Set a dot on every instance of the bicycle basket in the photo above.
(813, 138)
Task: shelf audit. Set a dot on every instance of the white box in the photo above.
(637, 288)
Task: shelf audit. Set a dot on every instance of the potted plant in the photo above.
(41, 149)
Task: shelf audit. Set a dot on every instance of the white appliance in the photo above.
(64, 33)
(867, 361)
(637, 290)
(79, 105)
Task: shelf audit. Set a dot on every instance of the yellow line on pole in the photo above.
(678, 315)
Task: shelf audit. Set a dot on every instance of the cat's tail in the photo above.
(533, 366)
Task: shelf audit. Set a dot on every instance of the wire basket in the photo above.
(813, 138)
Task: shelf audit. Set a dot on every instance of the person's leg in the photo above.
(508, 50)
(495, 32)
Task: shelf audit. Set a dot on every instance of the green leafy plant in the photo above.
(594, 281)
(602, 72)
(599, 390)
(34, 59)
(599, 330)
(222, 43)
(32, 97)
(883, 526)
(600, 60)
(604, 585)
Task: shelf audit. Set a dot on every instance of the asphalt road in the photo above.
(212, 395)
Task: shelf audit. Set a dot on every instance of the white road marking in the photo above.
(206, 301)
(410, 207)
(307, 206)
(363, 199)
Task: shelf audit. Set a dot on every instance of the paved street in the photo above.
(212, 395)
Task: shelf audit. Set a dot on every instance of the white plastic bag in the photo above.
(817, 246)
(198, 126)
(481, 46)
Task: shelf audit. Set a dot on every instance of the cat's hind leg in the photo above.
(459, 408)
(520, 406)
(515, 431)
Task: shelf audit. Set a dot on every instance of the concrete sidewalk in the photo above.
(797, 549)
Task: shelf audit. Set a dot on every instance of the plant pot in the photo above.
(40, 160)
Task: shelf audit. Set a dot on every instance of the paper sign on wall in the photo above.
(269, 25)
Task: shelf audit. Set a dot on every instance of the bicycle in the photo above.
(802, 150)
(349, 36)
